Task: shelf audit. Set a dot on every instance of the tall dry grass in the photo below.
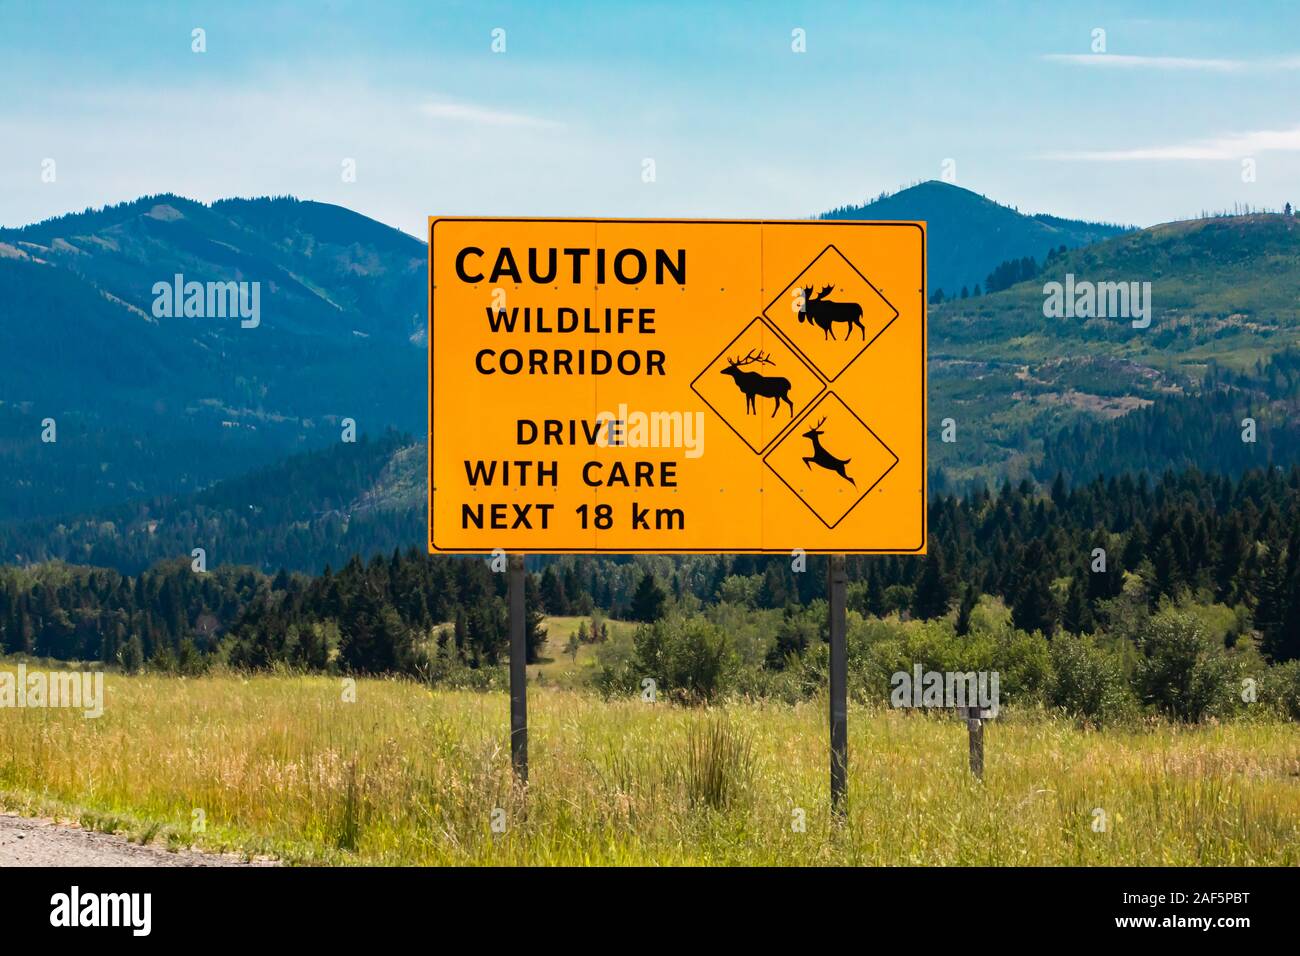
(282, 765)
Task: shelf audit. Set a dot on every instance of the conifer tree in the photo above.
(648, 601)
(932, 594)
(1034, 606)
(1076, 615)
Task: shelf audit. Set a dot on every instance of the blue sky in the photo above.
(737, 124)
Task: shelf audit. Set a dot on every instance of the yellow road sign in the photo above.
(669, 386)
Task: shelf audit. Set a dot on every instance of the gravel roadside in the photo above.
(25, 841)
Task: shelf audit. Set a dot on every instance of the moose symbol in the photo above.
(754, 384)
(822, 458)
(825, 312)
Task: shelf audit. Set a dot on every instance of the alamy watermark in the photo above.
(922, 688)
(637, 429)
(133, 911)
(208, 300)
(1098, 300)
(626, 428)
(76, 689)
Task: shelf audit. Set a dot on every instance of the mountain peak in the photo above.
(969, 235)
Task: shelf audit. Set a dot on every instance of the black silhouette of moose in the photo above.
(825, 313)
(822, 458)
(754, 384)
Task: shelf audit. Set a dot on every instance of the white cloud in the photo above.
(414, 155)
(431, 152)
(1123, 61)
(482, 116)
(1230, 146)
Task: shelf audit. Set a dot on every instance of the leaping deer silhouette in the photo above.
(754, 384)
(821, 457)
(824, 313)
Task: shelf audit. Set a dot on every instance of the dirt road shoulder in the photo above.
(26, 841)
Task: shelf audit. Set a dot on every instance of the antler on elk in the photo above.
(751, 359)
(826, 291)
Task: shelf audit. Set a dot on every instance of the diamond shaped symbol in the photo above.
(831, 313)
(831, 460)
(758, 385)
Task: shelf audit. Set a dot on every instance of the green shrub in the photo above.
(751, 634)
(878, 649)
(1024, 665)
(740, 589)
(616, 670)
(1088, 680)
(1280, 689)
(689, 659)
(1184, 671)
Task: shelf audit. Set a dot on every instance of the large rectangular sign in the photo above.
(664, 386)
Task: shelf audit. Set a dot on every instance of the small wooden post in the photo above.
(975, 725)
(837, 586)
(518, 671)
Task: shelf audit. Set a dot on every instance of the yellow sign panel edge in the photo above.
(920, 225)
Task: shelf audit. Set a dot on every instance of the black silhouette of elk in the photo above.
(754, 384)
(821, 457)
(826, 312)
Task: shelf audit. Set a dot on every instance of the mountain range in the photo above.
(172, 428)
(146, 404)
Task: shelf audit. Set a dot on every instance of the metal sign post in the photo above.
(975, 725)
(837, 585)
(518, 671)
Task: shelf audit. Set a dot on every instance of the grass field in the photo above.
(282, 765)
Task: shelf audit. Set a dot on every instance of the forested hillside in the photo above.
(1230, 422)
(368, 498)
(303, 513)
(1076, 561)
(149, 404)
(1224, 303)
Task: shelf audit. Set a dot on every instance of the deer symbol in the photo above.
(825, 313)
(754, 384)
(822, 458)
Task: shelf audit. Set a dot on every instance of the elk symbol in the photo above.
(825, 313)
(822, 458)
(754, 384)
